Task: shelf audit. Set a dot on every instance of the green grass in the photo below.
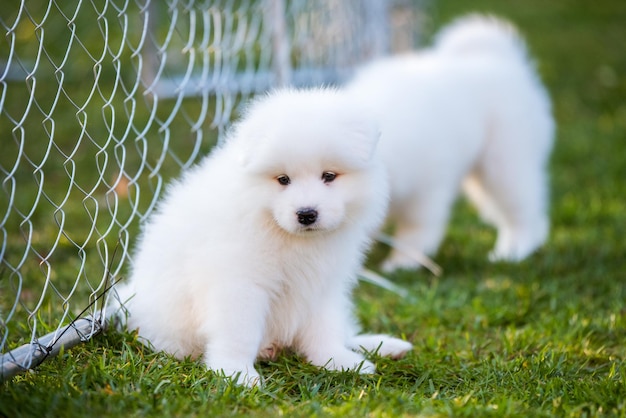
(546, 337)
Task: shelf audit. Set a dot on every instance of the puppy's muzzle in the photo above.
(307, 216)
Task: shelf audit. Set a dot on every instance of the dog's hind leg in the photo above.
(512, 196)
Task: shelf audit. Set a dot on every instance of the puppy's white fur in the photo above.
(470, 110)
(226, 271)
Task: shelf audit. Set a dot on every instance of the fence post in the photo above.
(281, 63)
(376, 27)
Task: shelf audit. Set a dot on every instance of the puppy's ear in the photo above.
(253, 130)
(365, 135)
(245, 153)
(249, 149)
(247, 140)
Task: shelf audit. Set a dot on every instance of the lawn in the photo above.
(545, 337)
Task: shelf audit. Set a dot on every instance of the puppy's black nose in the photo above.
(307, 216)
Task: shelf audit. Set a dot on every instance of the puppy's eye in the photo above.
(283, 180)
(328, 176)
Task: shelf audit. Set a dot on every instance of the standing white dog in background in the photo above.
(258, 247)
(469, 111)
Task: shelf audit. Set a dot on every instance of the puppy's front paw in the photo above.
(344, 360)
(394, 348)
(239, 372)
(383, 345)
(269, 353)
(366, 367)
(248, 377)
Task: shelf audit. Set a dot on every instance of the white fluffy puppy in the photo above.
(258, 247)
(469, 111)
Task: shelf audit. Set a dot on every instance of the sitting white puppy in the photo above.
(470, 110)
(258, 247)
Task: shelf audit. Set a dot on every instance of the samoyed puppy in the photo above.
(257, 247)
(469, 113)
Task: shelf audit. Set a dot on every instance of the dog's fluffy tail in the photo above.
(481, 34)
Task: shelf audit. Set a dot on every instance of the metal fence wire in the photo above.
(101, 102)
